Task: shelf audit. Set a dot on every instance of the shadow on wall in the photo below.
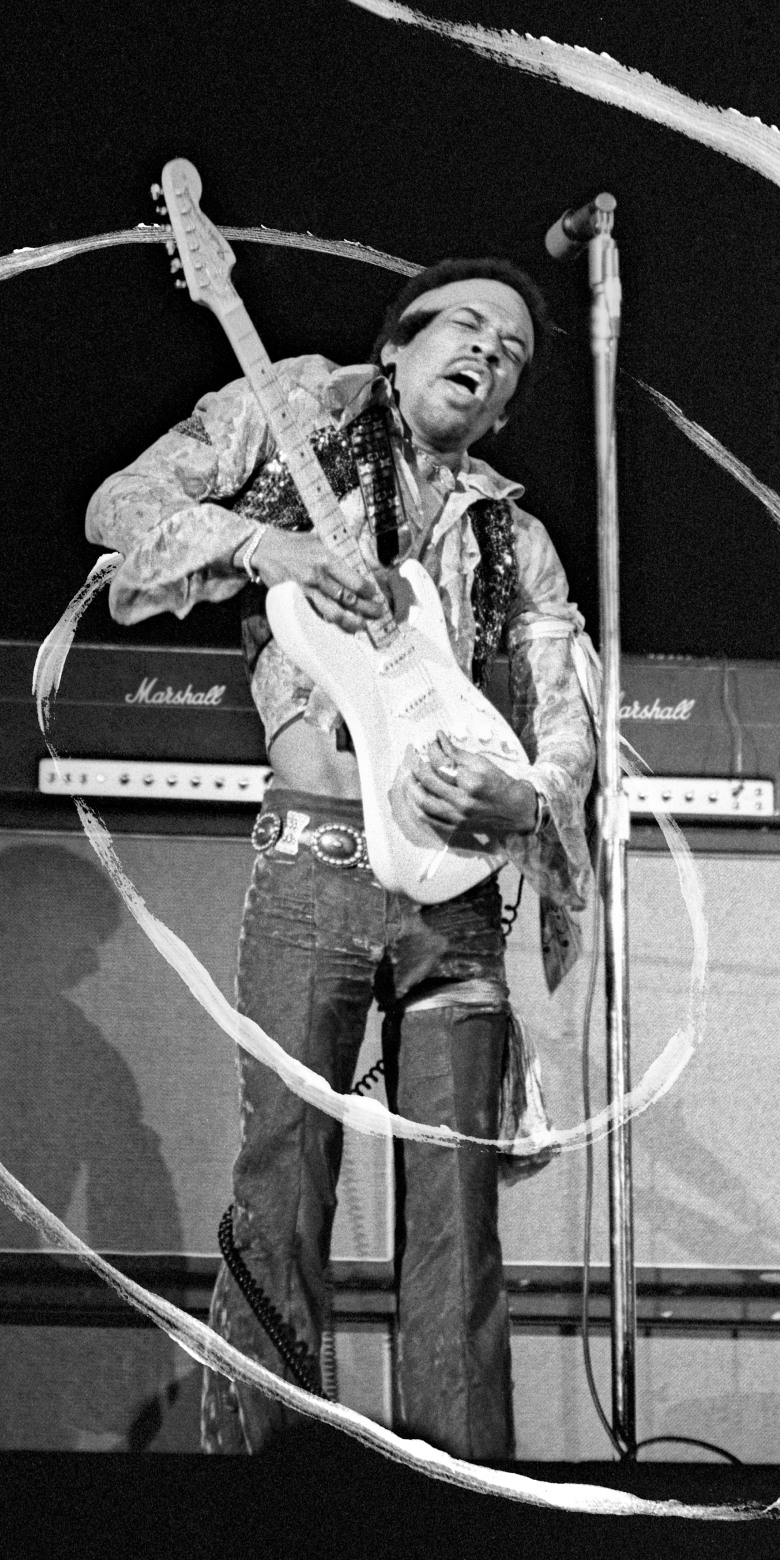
(71, 1129)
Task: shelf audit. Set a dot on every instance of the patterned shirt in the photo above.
(169, 513)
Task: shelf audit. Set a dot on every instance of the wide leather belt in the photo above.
(335, 844)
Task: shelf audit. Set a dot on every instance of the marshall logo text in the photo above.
(656, 710)
(149, 693)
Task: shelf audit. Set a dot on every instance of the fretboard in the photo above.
(304, 468)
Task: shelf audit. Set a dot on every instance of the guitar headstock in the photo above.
(206, 257)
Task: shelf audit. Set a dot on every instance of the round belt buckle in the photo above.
(338, 845)
(267, 829)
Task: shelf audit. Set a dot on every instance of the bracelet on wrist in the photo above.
(242, 559)
(542, 814)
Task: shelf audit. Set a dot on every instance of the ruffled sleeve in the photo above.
(552, 672)
(169, 513)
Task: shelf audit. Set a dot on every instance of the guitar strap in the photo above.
(369, 437)
(495, 582)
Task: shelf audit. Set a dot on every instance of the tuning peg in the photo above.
(170, 244)
(162, 211)
(155, 191)
(179, 283)
(176, 265)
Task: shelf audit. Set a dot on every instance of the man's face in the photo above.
(455, 377)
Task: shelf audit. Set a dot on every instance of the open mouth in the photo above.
(468, 379)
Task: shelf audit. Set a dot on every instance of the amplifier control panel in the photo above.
(697, 797)
(700, 797)
(153, 778)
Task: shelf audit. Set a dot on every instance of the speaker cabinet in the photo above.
(118, 1105)
(722, 1389)
(118, 1109)
(130, 1389)
(706, 1157)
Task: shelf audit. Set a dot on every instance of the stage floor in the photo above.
(321, 1494)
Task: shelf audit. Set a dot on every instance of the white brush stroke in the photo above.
(30, 259)
(208, 1348)
(716, 451)
(747, 141)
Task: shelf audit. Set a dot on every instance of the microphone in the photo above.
(573, 230)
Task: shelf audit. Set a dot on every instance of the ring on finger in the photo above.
(347, 597)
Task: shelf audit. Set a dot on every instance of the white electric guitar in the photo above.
(397, 684)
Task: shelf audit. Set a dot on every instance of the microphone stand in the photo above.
(614, 821)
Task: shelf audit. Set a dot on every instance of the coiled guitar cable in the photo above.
(366, 1083)
(293, 1350)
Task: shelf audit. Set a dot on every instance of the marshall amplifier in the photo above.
(180, 725)
(115, 701)
(707, 730)
(136, 722)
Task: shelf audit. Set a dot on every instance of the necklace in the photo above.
(433, 469)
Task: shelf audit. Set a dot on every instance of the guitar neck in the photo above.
(304, 468)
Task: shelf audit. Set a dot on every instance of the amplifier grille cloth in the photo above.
(118, 1095)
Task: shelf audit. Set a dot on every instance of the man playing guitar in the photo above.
(209, 511)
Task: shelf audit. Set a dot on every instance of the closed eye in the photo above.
(515, 351)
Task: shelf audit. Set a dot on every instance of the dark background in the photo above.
(314, 115)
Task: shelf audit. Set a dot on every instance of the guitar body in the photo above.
(394, 700)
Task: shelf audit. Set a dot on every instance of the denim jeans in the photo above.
(317, 944)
